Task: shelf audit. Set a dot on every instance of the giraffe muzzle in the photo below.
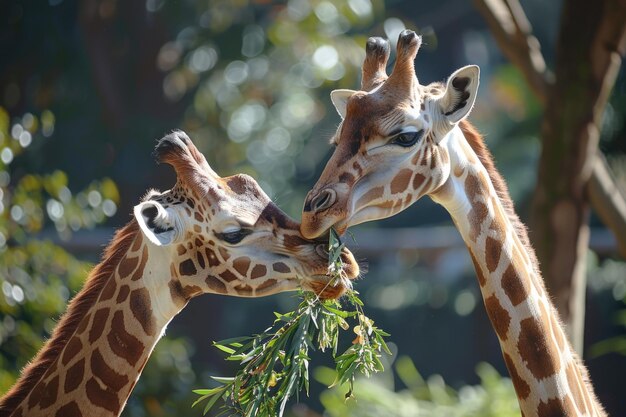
(322, 201)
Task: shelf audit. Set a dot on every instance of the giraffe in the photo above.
(398, 141)
(206, 235)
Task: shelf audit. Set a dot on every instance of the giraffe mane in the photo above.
(476, 142)
(69, 321)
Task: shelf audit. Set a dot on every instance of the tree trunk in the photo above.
(589, 48)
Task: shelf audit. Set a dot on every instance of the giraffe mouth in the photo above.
(325, 288)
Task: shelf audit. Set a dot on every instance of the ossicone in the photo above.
(374, 67)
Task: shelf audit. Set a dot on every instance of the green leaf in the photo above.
(340, 313)
(210, 404)
(233, 340)
(199, 400)
(223, 379)
(226, 349)
(207, 392)
(274, 364)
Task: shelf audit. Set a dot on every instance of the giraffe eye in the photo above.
(407, 139)
(233, 237)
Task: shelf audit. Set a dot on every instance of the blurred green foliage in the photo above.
(253, 108)
(164, 388)
(431, 397)
(38, 277)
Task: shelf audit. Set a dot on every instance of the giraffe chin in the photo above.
(325, 290)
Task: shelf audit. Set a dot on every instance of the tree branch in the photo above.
(513, 33)
(608, 201)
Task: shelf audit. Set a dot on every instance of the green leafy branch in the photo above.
(275, 363)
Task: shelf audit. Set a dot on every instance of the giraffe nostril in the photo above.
(324, 199)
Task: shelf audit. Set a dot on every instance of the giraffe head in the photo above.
(391, 147)
(224, 235)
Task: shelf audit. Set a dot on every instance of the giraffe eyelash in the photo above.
(233, 237)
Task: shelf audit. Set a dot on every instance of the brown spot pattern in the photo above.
(191, 291)
(83, 324)
(281, 267)
(187, 267)
(493, 248)
(515, 287)
(70, 409)
(400, 182)
(176, 292)
(103, 398)
(258, 271)
(109, 290)
(417, 157)
(541, 358)
(241, 265)
(144, 259)
(371, 195)
(35, 395)
(200, 258)
(500, 318)
(266, 284)
(228, 276)
(97, 327)
(122, 343)
(74, 376)
(224, 253)
(346, 178)
(434, 157)
(479, 271)
(476, 215)
(140, 306)
(71, 350)
(123, 294)
(109, 377)
(556, 407)
(50, 393)
(472, 187)
(215, 285)
(418, 179)
(211, 257)
(521, 386)
(136, 243)
(127, 266)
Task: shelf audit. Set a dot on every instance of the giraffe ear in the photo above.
(157, 223)
(460, 94)
(340, 100)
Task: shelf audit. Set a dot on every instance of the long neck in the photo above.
(90, 367)
(548, 377)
